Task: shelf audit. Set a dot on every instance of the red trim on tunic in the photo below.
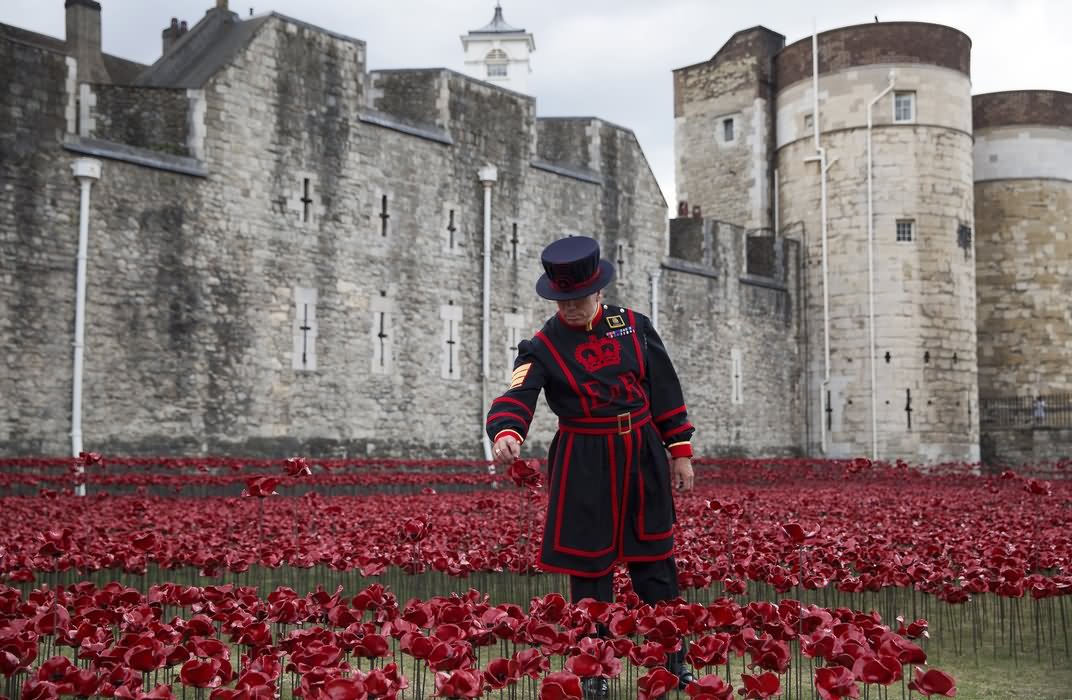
(670, 413)
(551, 568)
(610, 430)
(507, 399)
(557, 542)
(565, 370)
(636, 344)
(641, 533)
(501, 414)
(508, 431)
(628, 440)
(678, 429)
(683, 449)
(649, 557)
(609, 420)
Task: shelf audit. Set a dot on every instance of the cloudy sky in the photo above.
(611, 58)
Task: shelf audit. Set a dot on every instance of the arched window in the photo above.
(497, 62)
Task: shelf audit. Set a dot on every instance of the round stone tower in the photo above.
(1023, 214)
(914, 80)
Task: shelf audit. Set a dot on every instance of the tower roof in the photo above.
(497, 25)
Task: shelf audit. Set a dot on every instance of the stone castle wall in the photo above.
(198, 285)
(153, 118)
(924, 289)
(734, 339)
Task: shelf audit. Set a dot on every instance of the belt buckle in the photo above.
(628, 423)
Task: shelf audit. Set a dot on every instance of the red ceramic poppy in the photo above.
(709, 688)
(458, 684)
(933, 682)
(296, 466)
(835, 682)
(759, 687)
(655, 684)
(560, 686)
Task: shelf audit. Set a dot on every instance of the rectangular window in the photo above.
(727, 130)
(809, 122)
(906, 230)
(904, 107)
(497, 70)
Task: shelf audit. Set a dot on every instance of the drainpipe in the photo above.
(871, 269)
(823, 167)
(87, 171)
(655, 275)
(488, 176)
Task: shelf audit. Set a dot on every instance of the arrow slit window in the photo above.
(305, 329)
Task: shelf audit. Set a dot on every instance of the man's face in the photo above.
(578, 312)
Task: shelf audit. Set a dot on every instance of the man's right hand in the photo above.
(507, 449)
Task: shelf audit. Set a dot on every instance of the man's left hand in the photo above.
(681, 473)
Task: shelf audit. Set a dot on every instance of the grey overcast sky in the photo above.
(611, 58)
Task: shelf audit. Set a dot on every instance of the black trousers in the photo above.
(653, 581)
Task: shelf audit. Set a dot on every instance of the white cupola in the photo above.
(499, 53)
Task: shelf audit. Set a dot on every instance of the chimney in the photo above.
(84, 40)
(221, 5)
(170, 35)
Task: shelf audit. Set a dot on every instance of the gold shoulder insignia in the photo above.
(519, 375)
(615, 322)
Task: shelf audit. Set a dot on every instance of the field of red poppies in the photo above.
(353, 579)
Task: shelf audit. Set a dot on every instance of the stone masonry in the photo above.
(298, 270)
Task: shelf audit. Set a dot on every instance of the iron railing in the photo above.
(1051, 411)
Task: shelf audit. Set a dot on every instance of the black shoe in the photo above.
(595, 687)
(684, 675)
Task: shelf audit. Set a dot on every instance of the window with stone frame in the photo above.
(728, 130)
(904, 107)
(906, 230)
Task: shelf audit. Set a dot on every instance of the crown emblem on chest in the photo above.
(598, 353)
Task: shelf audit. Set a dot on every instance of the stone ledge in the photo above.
(137, 156)
(691, 268)
(757, 281)
(429, 133)
(582, 174)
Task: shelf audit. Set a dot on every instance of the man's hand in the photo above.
(506, 450)
(681, 473)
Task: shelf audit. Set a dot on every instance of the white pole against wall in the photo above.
(488, 176)
(87, 171)
(871, 270)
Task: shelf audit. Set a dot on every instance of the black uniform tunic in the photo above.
(620, 409)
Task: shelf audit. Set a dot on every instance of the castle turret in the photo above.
(499, 53)
(1023, 214)
(924, 356)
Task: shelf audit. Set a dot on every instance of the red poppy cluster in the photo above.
(855, 529)
(116, 642)
(781, 525)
